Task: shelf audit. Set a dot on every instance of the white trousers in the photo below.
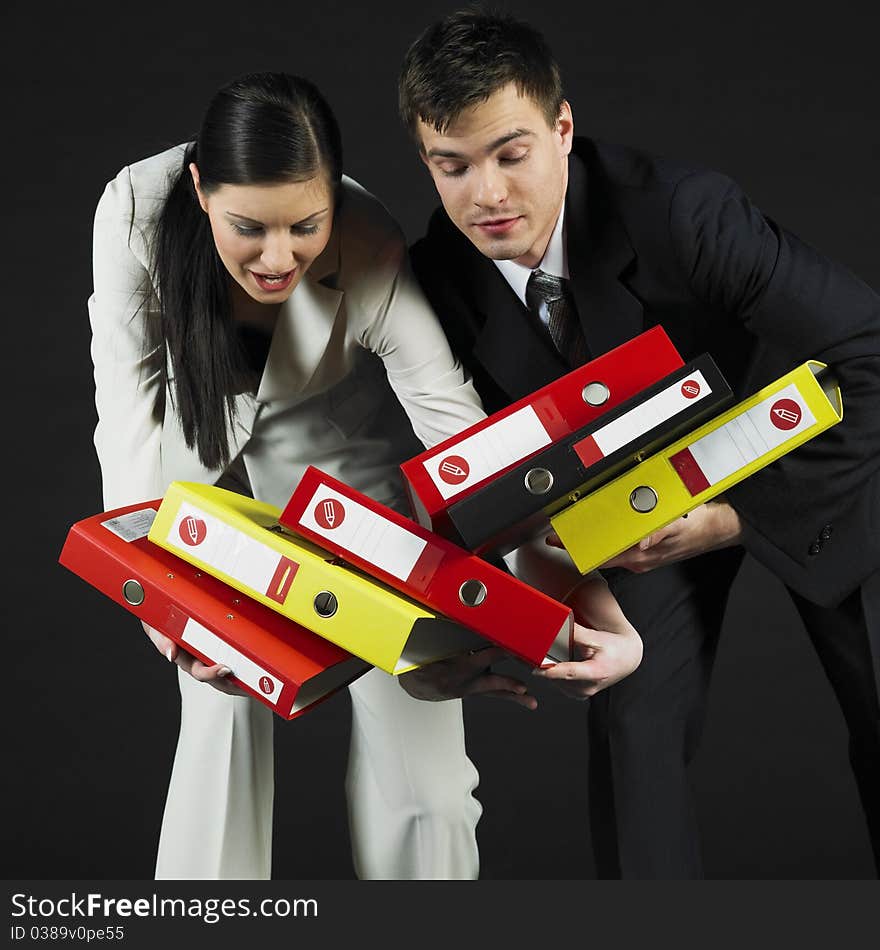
(412, 813)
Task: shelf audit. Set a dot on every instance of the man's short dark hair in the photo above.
(463, 59)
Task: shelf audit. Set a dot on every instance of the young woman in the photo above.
(252, 314)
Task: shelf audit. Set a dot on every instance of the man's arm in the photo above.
(797, 303)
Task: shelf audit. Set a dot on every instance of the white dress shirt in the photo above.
(554, 262)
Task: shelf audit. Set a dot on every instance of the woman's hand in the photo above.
(600, 659)
(606, 646)
(213, 675)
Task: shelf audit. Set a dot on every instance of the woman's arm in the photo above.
(128, 438)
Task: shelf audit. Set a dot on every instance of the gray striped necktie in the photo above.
(563, 325)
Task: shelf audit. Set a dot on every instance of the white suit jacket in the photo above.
(322, 397)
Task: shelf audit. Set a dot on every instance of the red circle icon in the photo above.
(192, 530)
(267, 684)
(329, 513)
(454, 470)
(690, 389)
(785, 413)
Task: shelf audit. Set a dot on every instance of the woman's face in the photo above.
(268, 235)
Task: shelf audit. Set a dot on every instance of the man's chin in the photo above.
(498, 249)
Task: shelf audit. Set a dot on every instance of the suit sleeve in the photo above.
(427, 379)
(791, 299)
(127, 437)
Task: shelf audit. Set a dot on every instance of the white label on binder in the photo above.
(751, 434)
(210, 645)
(487, 452)
(652, 412)
(224, 547)
(363, 532)
(133, 526)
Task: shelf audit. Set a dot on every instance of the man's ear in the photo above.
(565, 126)
(194, 171)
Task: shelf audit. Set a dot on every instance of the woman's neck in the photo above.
(247, 310)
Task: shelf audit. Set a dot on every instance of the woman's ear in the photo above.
(194, 171)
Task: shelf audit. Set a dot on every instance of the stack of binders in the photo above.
(437, 480)
(429, 569)
(621, 467)
(280, 663)
(243, 543)
(298, 603)
(700, 466)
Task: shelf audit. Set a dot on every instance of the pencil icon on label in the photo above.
(192, 530)
(785, 413)
(329, 513)
(453, 470)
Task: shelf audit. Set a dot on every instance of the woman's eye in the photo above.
(305, 229)
(454, 172)
(245, 232)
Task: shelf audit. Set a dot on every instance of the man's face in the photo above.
(501, 173)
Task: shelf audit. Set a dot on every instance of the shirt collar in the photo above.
(554, 262)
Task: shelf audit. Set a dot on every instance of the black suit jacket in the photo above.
(653, 242)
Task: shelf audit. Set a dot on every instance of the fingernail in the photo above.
(224, 671)
(169, 654)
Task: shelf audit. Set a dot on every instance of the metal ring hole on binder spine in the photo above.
(539, 481)
(472, 593)
(643, 499)
(325, 604)
(133, 592)
(596, 394)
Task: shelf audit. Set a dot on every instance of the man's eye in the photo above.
(245, 232)
(513, 159)
(455, 171)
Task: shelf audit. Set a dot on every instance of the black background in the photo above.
(782, 97)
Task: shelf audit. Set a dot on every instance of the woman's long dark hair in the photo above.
(264, 128)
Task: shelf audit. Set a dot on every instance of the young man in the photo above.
(550, 250)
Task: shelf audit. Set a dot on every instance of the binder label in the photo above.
(642, 418)
(232, 552)
(486, 452)
(133, 526)
(743, 440)
(364, 532)
(243, 668)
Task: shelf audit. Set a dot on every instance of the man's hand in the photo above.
(467, 674)
(213, 675)
(606, 646)
(710, 527)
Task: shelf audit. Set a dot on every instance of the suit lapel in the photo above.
(511, 348)
(598, 253)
